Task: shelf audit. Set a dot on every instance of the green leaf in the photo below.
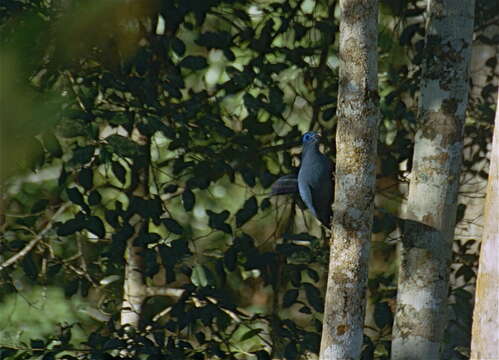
(289, 298)
(194, 62)
(95, 225)
(29, 267)
(328, 114)
(299, 237)
(188, 199)
(198, 276)
(252, 104)
(52, 144)
(313, 274)
(305, 310)
(294, 274)
(173, 226)
(83, 155)
(37, 344)
(114, 343)
(70, 227)
(85, 178)
(229, 54)
(5, 352)
(461, 210)
(49, 356)
(313, 297)
(124, 146)
(119, 171)
(214, 40)
(265, 204)
(53, 269)
(262, 355)
(40, 205)
(368, 349)
(465, 271)
(62, 177)
(408, 33)
(249, 210)
(71, 287)
(151, 266)
(276, 104)
(217, 221)
(76, 197)
(248, 177)
(70, 128)
(171, 188)
(250, 334)
(119, 118)
(178, 46)
(382, 315)
(230, 258)
(312, 341)
(94, 198)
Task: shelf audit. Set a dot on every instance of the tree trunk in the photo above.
(134, 288)
(356, 140)
(426, 251)
(485, 335)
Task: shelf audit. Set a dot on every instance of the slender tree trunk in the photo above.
(134, 289)
(134, 286)
(485, 335)
(356, 140)
(426, 251)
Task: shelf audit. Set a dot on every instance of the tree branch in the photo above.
(33, 242)
(162, 291)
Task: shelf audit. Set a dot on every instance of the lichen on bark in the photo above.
(425, 252)
(356, 141)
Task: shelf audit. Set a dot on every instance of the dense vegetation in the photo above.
(166, 122)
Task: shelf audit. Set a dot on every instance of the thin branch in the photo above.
(33, 242)
(162, 291)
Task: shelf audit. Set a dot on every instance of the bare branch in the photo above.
(162, 291)
(34, 241)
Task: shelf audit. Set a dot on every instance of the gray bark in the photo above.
(426, 251)
(485, 334)
(356, 141)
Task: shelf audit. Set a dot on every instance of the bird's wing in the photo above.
(307, 197)
(321, 199)
(322, 192)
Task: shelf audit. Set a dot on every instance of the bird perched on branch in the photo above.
(314, 182)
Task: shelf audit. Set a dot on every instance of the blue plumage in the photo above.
(314, 179)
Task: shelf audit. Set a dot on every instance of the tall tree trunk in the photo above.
(485, 335)
(426, 251)
(356, 140)
(134, 286)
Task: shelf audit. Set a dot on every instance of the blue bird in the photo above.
(315, 184)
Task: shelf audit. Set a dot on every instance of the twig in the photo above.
(33, 242)
(162, 291)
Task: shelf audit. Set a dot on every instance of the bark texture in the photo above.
(420, 319)
(485, 335)
(356, 141)
(134, 288)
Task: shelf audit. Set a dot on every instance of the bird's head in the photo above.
(310, 137)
